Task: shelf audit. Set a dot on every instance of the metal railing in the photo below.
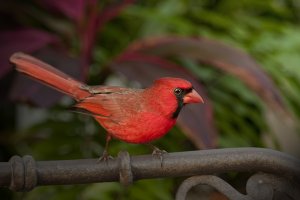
(274, 172)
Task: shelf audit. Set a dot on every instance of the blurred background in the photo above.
(242, 57)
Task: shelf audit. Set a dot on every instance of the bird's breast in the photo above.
(142, 128)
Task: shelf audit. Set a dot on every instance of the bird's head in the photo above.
(174, 93)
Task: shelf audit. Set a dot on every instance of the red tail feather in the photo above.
(49, 75)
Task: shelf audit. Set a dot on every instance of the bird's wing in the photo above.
(111, 102)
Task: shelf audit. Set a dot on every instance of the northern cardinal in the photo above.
(131, 115)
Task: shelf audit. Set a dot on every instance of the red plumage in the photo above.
(131, 115)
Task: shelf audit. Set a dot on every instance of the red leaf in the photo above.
(74, 9)
(216, 54)
(195, 120)
(112, 11)
(26, 40)
(95, 23)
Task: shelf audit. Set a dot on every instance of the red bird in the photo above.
(131, 115)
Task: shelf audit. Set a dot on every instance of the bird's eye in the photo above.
(177, 91)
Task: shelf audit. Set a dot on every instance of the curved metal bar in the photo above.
(263, 186)
(213, 181)
(260, 186)
(22, 174)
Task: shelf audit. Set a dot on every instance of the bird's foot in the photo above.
(105, 157)
(159, 153)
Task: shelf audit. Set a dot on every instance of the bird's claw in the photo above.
(160, 153)
(105, 157)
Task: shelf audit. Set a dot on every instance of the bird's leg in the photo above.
(105, 156)
(157, 152)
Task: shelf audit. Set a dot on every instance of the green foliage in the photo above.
(278, 53)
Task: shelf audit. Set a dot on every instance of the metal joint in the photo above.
(125, 173)
(23, 173)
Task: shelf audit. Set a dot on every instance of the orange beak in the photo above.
(192, 97)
